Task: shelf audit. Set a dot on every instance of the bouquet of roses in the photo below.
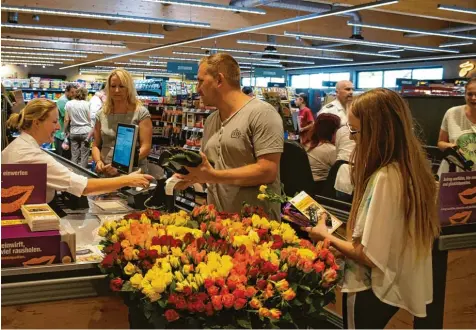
(233, 272)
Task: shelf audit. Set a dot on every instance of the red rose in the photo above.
(253, 272)
(181, 303)
(210, 241)
(202, 296)
(153, 254)
(108, 261)
(224, 290)
(262, 232)
(277, 244)
(217, 303)
(319, 266)
(208, 283)
(146, 264)
(323, 254)
(176, 243)
(155, 240)
(200, 243)
(172, 299)
(220, 282)
(171, 315)
(187, 291)
(116, 284)
(116, 247)
(228, 300)
(330, 260)
(203, 227)
(269, 268)
(231, 251)
(261, 284)
(209, 309)
(142, 254)
(335, 267)
(188, 238)
(307, 267)
(213, 290)
(199, 306)
(240, 303)
(231, 284)
(239, 293)
(250, 292)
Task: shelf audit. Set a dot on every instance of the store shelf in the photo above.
(51, 90)
(191, 148)
(193, 129)
(198, 111)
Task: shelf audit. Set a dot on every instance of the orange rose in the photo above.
(264, 312)
(307, 267)
(289, 294)
(255, 303)
(217, 303)
(293, 259)
(275, 313)
(250, 292)
(283, 285)
(228, 300)
(330, 275)
(240, 303)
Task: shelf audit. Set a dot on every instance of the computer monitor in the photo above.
(125, 147)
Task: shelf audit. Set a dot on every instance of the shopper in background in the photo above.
(305, 116)
(96, 102)
(244, 140)
(344, 94)
(345, 145)
(38, 122)
(60, 135)
(458, 128)
(121, 106)
(78, 120)
(248, 91)
(393, 221)
(321, 150)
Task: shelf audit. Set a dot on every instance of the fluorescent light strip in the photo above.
(41, 60)
(81, 30)
(61, 42)
(129, 68)
(262, 59)
(456, 44)
(457, 9)
(211, 6)
(158, 73)
(158, 64)
(367, 43)
(270, 65)
(391, 51)
(167, 58)
(44, 54)
(35, 57)
(26, 64)
(279, 54)
(247, 29)
(334, 50)
(399, 29)
(56, 50)
(403, 60)
(32, 61)
(92, 15)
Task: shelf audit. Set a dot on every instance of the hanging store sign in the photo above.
(180, 67)
(273, 73)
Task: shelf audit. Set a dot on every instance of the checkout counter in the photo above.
(76, 295)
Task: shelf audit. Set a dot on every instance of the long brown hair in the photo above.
(37, 109)
(386, 137)
(323, 130)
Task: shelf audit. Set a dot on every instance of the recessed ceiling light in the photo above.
(211, 6)
(81, 30)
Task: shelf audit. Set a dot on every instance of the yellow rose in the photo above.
(136, 281)
(129, 269)
(174, 261)
(179, 276)
(151, 294)
(125, 243)
(102, 231)
(135, 254)
(262, 197)
(113, 225)
(177, 252)
(194, 286)
(114, 238)
(284, 267)
(199, 279)
(144, 219)
(124, 222)
(262, 188)
(158, 285)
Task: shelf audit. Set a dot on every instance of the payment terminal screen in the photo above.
(123, 150)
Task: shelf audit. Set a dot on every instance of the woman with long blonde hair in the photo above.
(393, 221)
(121, 106)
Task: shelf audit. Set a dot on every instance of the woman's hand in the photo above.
(108, 170)
(320, 231)
(136, 179)
(99, 166)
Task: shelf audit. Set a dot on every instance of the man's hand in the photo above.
(204, 173)
(184, 184)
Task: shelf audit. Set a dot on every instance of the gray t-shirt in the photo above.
(78, 113)
(108, 131)
(253, 131)
(321, 159)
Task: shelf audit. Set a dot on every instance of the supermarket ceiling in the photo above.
(145, 34)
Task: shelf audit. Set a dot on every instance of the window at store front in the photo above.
(315, 80)
(427, 74)
(369, 79)
(260, 81)
(300, 81)
(388, 78)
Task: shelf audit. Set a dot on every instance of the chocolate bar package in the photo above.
(21, 247)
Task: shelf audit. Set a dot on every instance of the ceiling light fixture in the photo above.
(30, 62)
(129, 68)
(26, 64)
(456, 44)
(211, 6)
(367, 43)
(152, 64)
(269, 65)
(115, 17)
(81, 30)
(167, 58)
(457, 9)
(278, 54)
(44, 54)
(399, 29)
(36, 57)
(157, 72)
(403, 60)
(333, 50)
(62, 42)
(248, 29)
(262, 59)
(56, 50)
(391, 51)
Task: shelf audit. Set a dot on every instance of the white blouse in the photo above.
(25, 150)
(399, 279)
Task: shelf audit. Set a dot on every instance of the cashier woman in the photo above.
(38, 122)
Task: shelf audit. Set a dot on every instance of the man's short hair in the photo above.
(225, 64)
(70, 87)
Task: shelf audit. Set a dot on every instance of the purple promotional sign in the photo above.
(457, 198)
(22, 184)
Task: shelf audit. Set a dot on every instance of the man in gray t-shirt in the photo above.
(244, 140)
